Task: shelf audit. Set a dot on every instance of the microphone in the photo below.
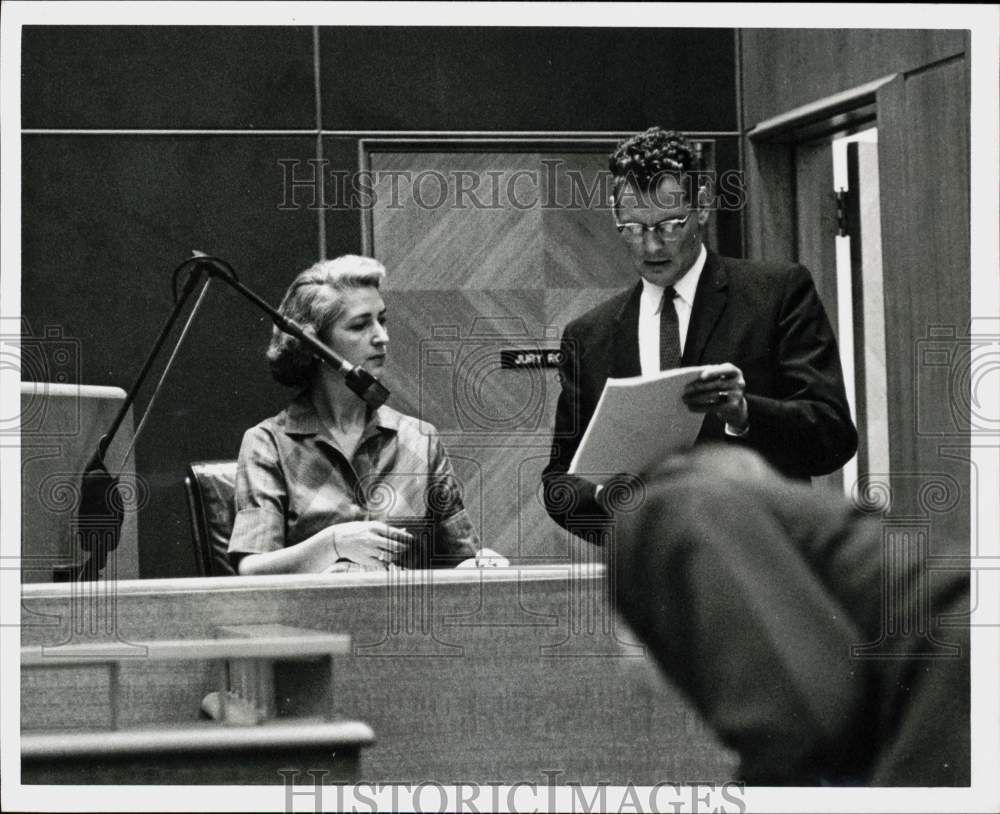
(369, 389)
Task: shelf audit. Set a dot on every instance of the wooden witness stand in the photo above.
(478, 675)
(249, 692)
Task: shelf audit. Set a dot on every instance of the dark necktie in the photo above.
(670, 333)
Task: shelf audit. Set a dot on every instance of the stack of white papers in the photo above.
(639, 422)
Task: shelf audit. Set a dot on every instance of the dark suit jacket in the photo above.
(765, 318)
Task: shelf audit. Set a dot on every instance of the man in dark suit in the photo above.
(819, 646)
(775, 384)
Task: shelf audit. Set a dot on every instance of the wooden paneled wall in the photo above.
(924, 176)
(922, 116)
(781, 69)
(469, 282)
(527, 247)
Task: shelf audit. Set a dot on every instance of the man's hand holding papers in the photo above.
(638, 423)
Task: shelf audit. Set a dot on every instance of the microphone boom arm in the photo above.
(360, 381)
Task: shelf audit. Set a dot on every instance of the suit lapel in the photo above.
(709, 302)
(623, 354)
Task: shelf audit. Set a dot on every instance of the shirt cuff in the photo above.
(256, 531)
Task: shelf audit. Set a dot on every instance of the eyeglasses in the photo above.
(667, 229)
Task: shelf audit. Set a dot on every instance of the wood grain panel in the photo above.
(444, 359)
(496, 677)
(771, 215)
(89, 685)
(817, 229)
(461, 278)
(784, 68)
(458, 220)
(499, 220)
(923, 156)
(923, 120)
(565, 304)
(444, 366)
(582, 247)
(522, 241)
(496, 424)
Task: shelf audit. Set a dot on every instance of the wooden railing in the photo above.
(203, 751)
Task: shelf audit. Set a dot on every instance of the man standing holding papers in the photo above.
(774, 381)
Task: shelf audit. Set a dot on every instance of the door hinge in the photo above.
(842, 199)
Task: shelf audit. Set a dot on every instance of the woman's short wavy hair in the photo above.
(315, 299)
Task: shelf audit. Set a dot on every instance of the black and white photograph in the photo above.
(487, 407)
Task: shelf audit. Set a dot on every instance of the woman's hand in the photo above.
(372, 544)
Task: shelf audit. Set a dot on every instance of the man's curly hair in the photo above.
(649, 154)
(643, 159)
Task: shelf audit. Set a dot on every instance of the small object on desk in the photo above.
(485, 558)
(228, 707)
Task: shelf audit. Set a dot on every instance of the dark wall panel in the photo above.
(167, 77)
(341, 210)
(527, 78)
(785, 68)
(730, 192)
(105, 221)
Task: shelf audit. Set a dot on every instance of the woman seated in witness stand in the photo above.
(329, 484)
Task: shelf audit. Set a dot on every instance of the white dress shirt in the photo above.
(649, 314)
(649, 320)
